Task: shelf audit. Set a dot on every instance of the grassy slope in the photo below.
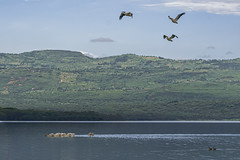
(136, 87)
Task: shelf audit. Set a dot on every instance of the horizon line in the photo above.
(180, 59)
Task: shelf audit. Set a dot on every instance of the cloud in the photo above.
(229, 53)
(211, 6)
(102, 39)
(211, 47)
(89, 54)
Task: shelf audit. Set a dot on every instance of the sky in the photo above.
(210, 29)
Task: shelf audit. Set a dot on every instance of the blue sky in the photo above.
(210, 29)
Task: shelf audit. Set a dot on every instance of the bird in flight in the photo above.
(125, 14)
(169, 38)
(176, 19)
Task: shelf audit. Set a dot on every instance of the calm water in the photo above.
(121, 141)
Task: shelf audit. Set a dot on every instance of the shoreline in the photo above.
(181, 121)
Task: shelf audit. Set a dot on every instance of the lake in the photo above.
(141, 140)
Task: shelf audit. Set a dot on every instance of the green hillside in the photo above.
(125, 87)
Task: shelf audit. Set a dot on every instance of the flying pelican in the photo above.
(176, 19)
(125, 14)
(170, 38)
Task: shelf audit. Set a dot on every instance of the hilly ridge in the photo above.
(124, 87)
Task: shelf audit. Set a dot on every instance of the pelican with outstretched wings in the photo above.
(170, 38)
(125, 14)
(176, 19)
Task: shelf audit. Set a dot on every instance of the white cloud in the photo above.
(211, 6)
(89, 54)
(205, 57)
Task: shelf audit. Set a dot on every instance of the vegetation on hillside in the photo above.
(126, 87)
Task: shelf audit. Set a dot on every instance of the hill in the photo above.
(124, 87)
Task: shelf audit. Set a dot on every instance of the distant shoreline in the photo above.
(58, 85)
(224, 121)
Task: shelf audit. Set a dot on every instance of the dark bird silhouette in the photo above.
(125, 14)
(169, 38)
(176, 19)
(212, 149)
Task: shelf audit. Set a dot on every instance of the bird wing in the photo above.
(164, 36)
(121, 15)
(178, 16)
(173, 35)
(130, 14)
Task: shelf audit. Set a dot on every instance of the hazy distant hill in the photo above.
(126, 87)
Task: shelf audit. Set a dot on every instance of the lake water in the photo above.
(120, 141)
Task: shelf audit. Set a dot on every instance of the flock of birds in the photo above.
(212, 149)
(90, 134)
(62, 135)
(174, 20)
